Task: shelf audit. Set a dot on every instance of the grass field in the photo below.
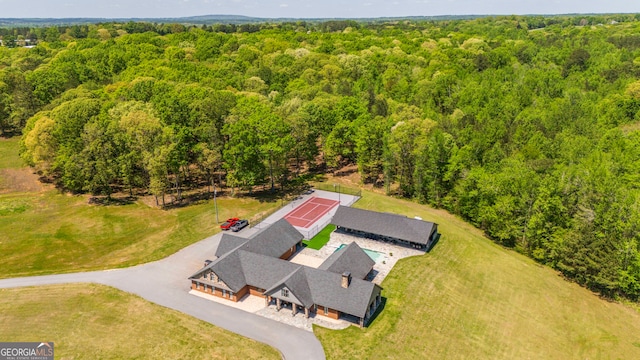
(321, 238)
(9, 158)
(471, 299)
(98, 322)
(43, 232)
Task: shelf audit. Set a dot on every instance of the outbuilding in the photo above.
(394, 228)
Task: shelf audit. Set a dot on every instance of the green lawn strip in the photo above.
(471, 299)
(321, 238)
(89, 321)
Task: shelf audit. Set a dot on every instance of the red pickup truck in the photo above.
(229, 223)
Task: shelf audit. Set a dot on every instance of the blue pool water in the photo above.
(374, 255)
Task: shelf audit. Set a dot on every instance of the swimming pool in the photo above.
(374, 255)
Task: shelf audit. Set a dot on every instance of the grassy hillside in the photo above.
(471, 299)
(43, 231)
(93, 321)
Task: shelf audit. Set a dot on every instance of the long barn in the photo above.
(394, 228)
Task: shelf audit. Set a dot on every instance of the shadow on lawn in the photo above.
(383, 303)
(433, 244)
(110, 201)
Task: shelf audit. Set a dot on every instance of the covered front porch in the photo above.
(316, 311)
(281, 304)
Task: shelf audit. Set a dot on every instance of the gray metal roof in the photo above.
(350, 258)
(385, 224)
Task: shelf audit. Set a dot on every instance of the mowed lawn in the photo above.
(471, 299)
(45, 232)
(89, 321)
(321, 238)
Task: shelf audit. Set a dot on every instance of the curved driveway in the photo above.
(164, 282)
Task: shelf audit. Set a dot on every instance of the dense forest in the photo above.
(528, 127)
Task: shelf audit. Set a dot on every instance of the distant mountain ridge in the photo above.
(239, 19)
(210, 19)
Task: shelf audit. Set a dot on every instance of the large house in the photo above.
(258, 266)
(387, 227)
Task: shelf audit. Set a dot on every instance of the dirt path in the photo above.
(20, 180)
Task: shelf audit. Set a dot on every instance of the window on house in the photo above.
(284, 292)
(326, 310)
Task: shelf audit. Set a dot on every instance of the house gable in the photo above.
(214, 278)
(284, 293)
(350, 258)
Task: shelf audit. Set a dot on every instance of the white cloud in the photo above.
(284, 5)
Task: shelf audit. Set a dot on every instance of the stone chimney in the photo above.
(346, 279)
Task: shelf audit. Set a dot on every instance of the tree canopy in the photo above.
(525, 126)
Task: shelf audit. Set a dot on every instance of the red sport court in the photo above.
(310, 211)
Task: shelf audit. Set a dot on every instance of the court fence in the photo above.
(353, 200)
(258, 220)
(311, 232)
(338, 188)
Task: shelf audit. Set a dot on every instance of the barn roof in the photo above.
(385, 224)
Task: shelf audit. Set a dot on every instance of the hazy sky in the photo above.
(304, 8)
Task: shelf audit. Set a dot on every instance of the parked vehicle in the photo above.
(229, 223)
(239, 225)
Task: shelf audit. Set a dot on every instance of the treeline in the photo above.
(532, 135)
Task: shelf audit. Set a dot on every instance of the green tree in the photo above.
(259, 142)
(369, 148)
(99, 157)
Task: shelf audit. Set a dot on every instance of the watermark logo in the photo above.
(26, 351)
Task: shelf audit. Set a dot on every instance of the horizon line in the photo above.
(306, 18)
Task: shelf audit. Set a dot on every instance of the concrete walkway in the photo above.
(164, 282)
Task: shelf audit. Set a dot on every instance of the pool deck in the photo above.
(389, 253)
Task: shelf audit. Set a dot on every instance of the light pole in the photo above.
(215, 202)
